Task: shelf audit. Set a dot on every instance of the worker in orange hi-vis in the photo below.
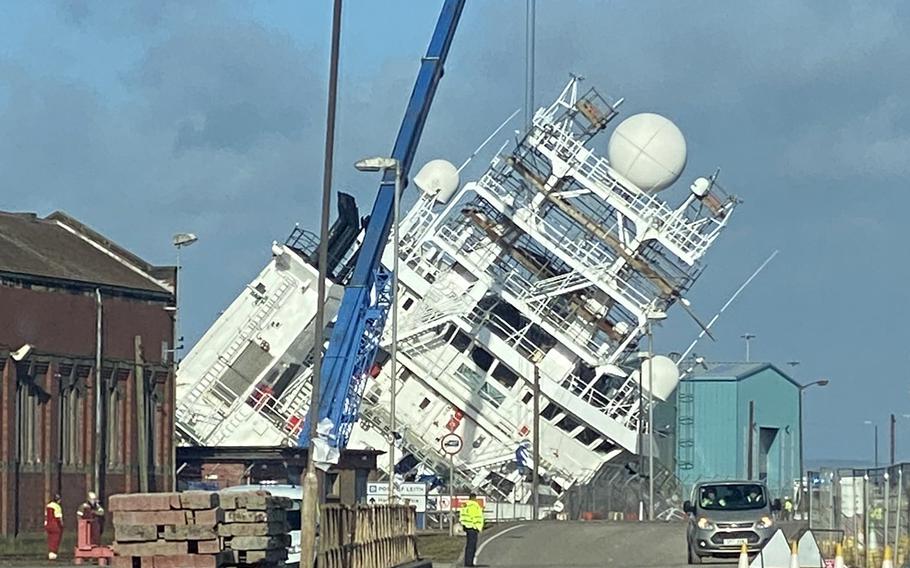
(53, 526)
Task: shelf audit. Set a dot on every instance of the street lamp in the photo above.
(748, 337)
(380, 164)
(802, 388)
(875, 426)
(180, 241)
(651, 316)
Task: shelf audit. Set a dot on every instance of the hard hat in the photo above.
(92, 496)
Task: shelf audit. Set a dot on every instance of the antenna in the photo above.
(487, 141)
(730, 301)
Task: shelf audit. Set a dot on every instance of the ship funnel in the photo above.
(439, 178)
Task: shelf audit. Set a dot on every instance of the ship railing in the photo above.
(688, 237)
(621, 406)
(210, 382)
(587, 256)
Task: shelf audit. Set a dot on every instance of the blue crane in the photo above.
(367, 296)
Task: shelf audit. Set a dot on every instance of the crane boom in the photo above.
(367, 297)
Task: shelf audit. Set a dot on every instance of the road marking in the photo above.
(491, 539)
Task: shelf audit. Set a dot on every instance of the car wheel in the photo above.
(693, 557)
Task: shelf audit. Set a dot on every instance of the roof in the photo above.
(733, 371)
(61, 248)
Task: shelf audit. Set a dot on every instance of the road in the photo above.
(588, 544)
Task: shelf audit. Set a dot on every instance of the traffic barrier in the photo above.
(743, 557)
(888, 560)
(794, 555)
(839, 556)
(375, 536)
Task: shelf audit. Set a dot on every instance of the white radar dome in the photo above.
(664, 380)
(438, 178)
(648, 150)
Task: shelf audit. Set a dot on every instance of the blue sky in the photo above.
(144, 119)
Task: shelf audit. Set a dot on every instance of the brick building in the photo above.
(72, 303)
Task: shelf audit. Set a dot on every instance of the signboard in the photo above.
(443, 503)
(452, 443)
(408, 493)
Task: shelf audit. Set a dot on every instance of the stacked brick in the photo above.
(200, 529)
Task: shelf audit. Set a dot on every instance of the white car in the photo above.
(295, 494)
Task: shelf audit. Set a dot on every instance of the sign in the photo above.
(443, 503)
(407, 493)
(452, 443)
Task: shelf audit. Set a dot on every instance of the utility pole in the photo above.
(750, 439)
(535, 477)
(893, 428)
(311, 499)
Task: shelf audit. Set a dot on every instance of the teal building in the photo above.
(715, 405)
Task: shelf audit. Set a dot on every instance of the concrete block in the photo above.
(189, 532)
(140, 502)
(259, 542)
(158, 548)
(156, 518)
(198, 500)
(253, 529)
(208, 546)
(124, 562)
(245, 516)
(260, 557)
(208, 517)
(135, 533)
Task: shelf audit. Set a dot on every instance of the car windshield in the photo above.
(731, 497)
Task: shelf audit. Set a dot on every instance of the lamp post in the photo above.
(653, 315)
(875, 428)
(381, 164)
(748, 337)
(180, 241)
(802, 389)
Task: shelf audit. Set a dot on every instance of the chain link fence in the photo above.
(869, 506)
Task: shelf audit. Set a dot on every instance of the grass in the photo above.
(34, 545)
(439, 546)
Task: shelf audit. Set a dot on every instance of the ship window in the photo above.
(568, 424)
(505, 376)
(605, 447)
(492, 395)
(587, 436)
(461, 341)
(469, 377)
(527, 397)
(550, 411)
(482, 358)
(424, 403)
(408, 303)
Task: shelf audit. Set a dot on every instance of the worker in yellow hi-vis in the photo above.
(471, 518)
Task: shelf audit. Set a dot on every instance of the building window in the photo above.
(30, 426)
(72, 419)
(114, 422)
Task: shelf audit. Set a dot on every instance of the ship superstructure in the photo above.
(551, 263)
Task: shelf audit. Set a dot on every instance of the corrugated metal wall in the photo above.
(713, 421)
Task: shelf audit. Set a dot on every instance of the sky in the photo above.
(144, 119)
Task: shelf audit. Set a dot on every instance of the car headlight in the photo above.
(704, 523)
(764, 523)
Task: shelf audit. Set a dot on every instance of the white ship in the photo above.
(556, 259)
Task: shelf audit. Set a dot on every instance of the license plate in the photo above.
(734, 541)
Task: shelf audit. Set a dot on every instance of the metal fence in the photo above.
(870, 506)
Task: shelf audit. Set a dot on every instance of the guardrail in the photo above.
(375, 536)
